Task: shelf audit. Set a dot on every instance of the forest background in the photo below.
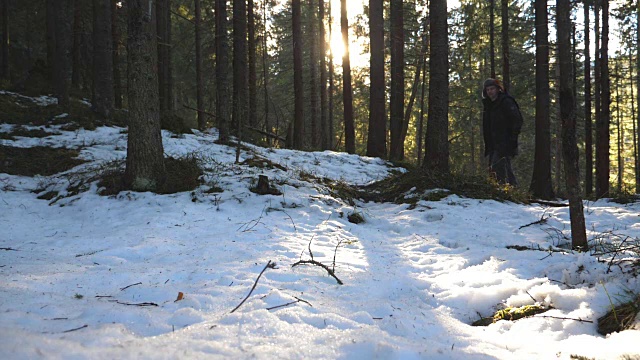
(299, 86)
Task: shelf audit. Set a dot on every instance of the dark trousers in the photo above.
(501, 166)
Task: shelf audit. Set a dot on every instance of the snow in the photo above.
(414, 278)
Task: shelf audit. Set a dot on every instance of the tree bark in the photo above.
(620, 132)
(637, 164)
(102, 58)
(602, 123)
(506, 77)
(223, 96)
(376, 140)
(569, 142)
(202, 121)
(588, 123)
(324, 115)
(492, 47)
(51, 36)
(145, 169)
(252, 116)
(437, 143)
(165, 83)
(396, 106)
(347, 91)
(115, 33)
(298, 121)
(541, 185)
(62, 63)
(5, 40)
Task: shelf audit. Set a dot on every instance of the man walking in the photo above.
(501, 124)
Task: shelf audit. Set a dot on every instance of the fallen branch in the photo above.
(313, 262)
(290, 303)
(128, 286)
(8, 249)
(269, 265)
(549, 203)
(134, 304)
(81, 327)
(563, 318)
(542, 220)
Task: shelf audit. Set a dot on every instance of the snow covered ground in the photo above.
(98, 277)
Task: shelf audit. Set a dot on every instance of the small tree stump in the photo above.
(263, 187)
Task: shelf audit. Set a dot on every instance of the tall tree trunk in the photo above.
(202, 121)
(5, 39)
(145, 169)
(298, 121)
(633, 119)
(376, 140)
(416, 84)
(223, 97)
(569, 142)
(115, 33)
(420, 130)
(638, 92)
(619, 131)
(541, 185)
(51, 36)
(252, 116)
(62, 62)
(602, 124)
(492, 47)
(240, 68)
(313, 77)
(76, 51)
(396, 106)
(102, 58)
(506, 77)
(588, 123)
(165, 84)
(265, 72)
(324, 116)
(597, 66)
(331, 138)
(347, 92)
(437, 143)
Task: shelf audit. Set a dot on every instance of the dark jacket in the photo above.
(501, 124)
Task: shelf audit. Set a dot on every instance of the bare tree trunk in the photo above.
(437, 142)
(602, 123)
(506, 77)
(298, 88)
(165, 83)
(324, 120)
(331, 138)
(620, 132)
(265, 73)
(568, 115)
(5, 40)
(541, 185)
(347, 92)
(588, 123)
(637, 163)
(252, 116)
(492, 47)
(240, 68)
(376, 141)
(62, 63)
(421, 121)
(396, 106)
(145, 169)
(51, 36)
(115, 33)
(76, 55)
(202, 122)
(223, 97)
(102, 58)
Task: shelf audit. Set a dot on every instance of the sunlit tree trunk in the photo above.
(376, 141)
(347, 92)
(396, 106)
(202, 122)
(223, 86)
(145, 169)
(313, 77)
(331, 135)
(437, 143)
(569, 141)
(324, 112)
(298, 88)
(602, 123)
(541, 185)
(637, 164)
(588, 123)
(620, 132)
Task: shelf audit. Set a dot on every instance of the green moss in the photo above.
(511, 314)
